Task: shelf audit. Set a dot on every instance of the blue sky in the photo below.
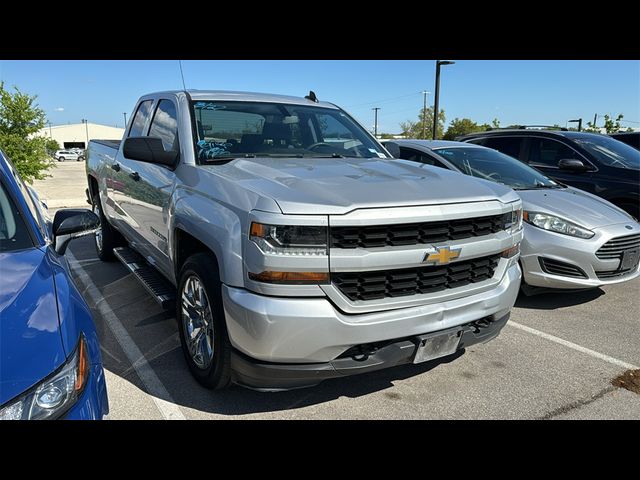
(523, 92)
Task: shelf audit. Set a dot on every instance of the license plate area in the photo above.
(437, 345)
(630, 259)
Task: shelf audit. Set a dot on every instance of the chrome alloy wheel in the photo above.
(98, 234)
(197, 322)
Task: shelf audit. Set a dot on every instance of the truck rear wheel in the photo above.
(201, 322)
(106, 237)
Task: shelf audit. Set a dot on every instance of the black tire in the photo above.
(80, 159)
(216, 374)
(61, 159)
(111, 238)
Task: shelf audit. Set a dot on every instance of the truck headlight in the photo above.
(556, 224)
(56, 394)
(289, 239)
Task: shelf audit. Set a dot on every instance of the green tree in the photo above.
(51, 146)
(412, 129)
(610, 125)
(20, 120)
(462, 126)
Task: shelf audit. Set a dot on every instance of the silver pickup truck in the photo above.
(292, 246)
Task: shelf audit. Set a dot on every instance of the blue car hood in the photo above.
(30, 341)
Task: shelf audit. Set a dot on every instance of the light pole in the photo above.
(50, 134)
(579, 122)
(424, 115)
(86, 128)
(375, 122)
(125, 119)
(439, 63)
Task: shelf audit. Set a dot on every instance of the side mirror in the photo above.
(72, 223)
(393, 148)
(148, 149)
(572, 164)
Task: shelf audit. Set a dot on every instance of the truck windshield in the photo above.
(233, 129)
(611, 152)
(498, 167)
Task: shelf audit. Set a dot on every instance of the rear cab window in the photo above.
(140, 119)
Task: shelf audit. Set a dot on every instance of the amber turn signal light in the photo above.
(290, 278)
(510, 252)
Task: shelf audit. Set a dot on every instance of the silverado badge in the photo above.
(441, 255)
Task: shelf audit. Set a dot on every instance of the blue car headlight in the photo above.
(56, 394)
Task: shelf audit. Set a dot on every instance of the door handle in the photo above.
(135, 176)
(115, 167)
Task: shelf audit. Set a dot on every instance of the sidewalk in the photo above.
(66, 186)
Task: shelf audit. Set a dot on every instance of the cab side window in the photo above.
(544, 152)
(165, 125)
(508, 145)
(140, 119)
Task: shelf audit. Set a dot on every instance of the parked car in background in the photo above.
(62, 155)
(50, 364)
(592, 162)
(572, 239)
(293, 247)
(630, 138)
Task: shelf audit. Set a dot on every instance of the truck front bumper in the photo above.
(275, 330)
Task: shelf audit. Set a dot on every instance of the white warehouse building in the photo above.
(77, 135)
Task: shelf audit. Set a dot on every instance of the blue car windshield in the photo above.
(611, 152)
(495, 166)
(13, 231)
(232, 129)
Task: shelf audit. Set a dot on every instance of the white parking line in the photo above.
(154, 386)
(593, 353)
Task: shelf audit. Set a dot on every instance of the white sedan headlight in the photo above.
(556, 224)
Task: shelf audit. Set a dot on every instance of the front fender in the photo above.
(213, 224)
(73, 312)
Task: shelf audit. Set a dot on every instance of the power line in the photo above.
(629, 121)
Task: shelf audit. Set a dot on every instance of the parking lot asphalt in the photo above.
(555, 359)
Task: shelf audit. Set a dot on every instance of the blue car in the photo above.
(50, 364)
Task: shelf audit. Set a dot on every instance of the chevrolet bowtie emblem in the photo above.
(441, 255)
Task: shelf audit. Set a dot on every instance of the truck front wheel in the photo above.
(106, 238)
(202, 326)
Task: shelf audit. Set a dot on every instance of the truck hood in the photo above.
(575, 205)
(334, 186)
(30, 342)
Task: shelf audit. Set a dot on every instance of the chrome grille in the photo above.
(412, 281)
(615, 247)
(371, 236)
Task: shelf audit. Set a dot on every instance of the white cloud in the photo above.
(59, 109)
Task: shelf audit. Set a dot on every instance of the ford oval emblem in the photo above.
(628, 227)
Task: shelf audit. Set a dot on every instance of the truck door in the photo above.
(118, 180)
(149, 189)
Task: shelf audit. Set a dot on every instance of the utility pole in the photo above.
(436, 101)
(50, 134)
(424, 113)
(86, 128)
(595, 119)
(125, 119)
(375, 124)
